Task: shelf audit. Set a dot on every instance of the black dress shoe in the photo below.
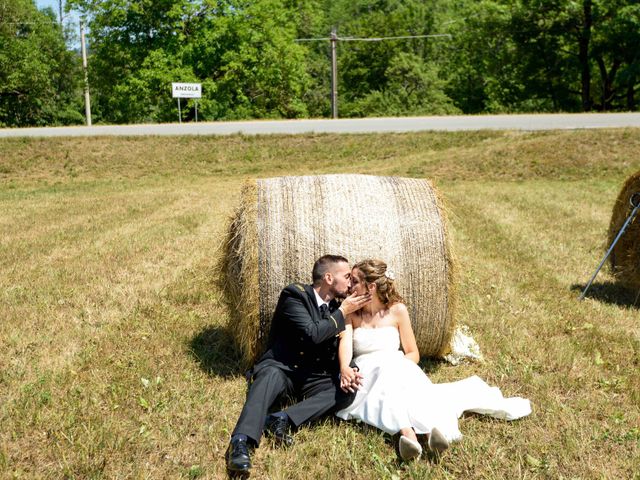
(278, 428)
(238, 456)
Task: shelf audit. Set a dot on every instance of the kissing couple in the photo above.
(357, 359)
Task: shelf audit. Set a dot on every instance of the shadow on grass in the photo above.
(431, 365)
(214, 350)
(610, 292)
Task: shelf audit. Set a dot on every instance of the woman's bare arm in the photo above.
(345, 354)
(407, 337)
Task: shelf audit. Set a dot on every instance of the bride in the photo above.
(394, 394)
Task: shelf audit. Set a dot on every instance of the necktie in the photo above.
(324, 309)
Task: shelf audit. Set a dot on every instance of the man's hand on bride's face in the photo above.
(354, 302)
(350, 379)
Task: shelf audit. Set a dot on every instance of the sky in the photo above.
(72, 18)
(55, 6)
(48, 3)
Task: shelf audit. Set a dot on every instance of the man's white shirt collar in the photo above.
(319, 299)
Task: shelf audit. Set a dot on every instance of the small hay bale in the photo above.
(284, 224)
(625, 257)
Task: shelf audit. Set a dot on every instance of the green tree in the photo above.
(247, 51)
(479, 60)
(615, 49)
(132, 45)
(413, 88)
(546, 55)
(39, 76)
(243, 53)
(386, 77)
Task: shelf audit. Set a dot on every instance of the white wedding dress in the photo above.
(396, 393)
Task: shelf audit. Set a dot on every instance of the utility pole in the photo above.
(333, 38)
(334, 74)
(87, 98)
(60, 10)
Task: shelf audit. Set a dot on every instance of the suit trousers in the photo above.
(318, 394)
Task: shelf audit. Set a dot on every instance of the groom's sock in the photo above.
(281, 415)
(239, 436)
(278, 425)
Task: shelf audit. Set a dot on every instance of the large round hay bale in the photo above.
(625, 257)
(283, 224)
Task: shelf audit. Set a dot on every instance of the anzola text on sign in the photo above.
(186, 90)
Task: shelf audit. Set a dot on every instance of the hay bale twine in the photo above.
(625, 257)
(284, 224)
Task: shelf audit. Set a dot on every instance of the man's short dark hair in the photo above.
(323, 264)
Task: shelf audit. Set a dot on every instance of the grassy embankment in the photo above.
(115, 360)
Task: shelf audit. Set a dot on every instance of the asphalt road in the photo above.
(361, 125)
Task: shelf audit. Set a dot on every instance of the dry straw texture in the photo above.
(283, 224)
(625, 258)
(240, 274)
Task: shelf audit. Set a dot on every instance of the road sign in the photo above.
(186, 90)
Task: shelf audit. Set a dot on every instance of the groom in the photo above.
(301, 361)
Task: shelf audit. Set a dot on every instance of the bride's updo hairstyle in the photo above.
(376, 271)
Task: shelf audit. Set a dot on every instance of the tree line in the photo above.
(271, 58)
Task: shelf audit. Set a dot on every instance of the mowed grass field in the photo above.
(115, 356)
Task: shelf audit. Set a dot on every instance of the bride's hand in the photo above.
(357, 379)
(350, 379)
(346, 375)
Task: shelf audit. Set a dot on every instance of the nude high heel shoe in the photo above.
(437, 442)
(409, 449)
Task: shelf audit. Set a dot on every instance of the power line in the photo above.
(28, 23)
(404, 37)
(373, 39)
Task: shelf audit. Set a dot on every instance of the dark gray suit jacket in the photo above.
(301, 338)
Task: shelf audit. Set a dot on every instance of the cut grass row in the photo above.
(63, 164)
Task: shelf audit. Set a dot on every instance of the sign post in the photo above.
(186, 90)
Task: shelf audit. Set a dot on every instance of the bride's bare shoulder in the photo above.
(398, 308)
